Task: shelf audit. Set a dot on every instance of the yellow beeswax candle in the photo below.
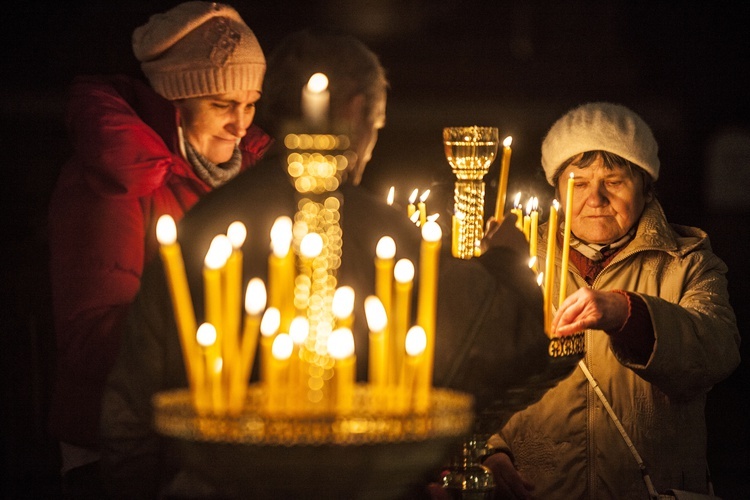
(341, 349)
(214, 262)
(549, 270)
(429, 261)
(411, 207)
(518, 211)
(255, 302)
(403, 273)
(299, 330)
(182, 304)
(527, 219)
(232, 279)
(278, 373)
(206, 336)
(456, 223)
(343, 306)
(566, 240)
(269, 326)
(502, 186)
(422, 207)
(281, 270)
(415, 391)
(315, 100)
(385, 251)
(534, 231)
(377, 321)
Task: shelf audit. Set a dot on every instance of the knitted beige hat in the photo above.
(197, 49)
(600, 126)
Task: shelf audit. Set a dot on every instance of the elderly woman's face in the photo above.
(214, 124)
(606, 203)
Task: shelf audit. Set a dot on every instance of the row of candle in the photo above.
(528, 223)
(219, 354)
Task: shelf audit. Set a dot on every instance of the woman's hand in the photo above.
(586, 308)
(509, 484)
(504, 234)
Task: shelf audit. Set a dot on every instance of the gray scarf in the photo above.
(212, 174)
(596, 252)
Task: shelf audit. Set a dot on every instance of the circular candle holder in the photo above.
(365, 453)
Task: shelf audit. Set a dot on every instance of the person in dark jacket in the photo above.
(489, 334)
(140, 151)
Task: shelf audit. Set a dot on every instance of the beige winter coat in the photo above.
(567, 445)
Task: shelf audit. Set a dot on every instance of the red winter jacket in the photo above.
(126, 171)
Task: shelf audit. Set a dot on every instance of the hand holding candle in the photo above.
(502, 187)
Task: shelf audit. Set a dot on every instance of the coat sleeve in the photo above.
(697, 340)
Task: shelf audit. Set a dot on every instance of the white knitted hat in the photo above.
(600, 126)
(197, 49)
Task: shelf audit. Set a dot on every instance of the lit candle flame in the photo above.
(391, 195)
(166, 230)
(416, 341)
(317, 83)
(311, 245)
(281, 236)
(517, 200)
(299, 329)
(270, 322)
(413, 196)
(282, 346)
(377, 319)
(255, 297)
(431, 231)
(423, 196)
(386, 248)
(403, 271)
(343, 302)
(341, 343)
(508, 140)
(236, 232)
(218, 252)
(206, 335)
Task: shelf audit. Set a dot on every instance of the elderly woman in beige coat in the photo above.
(652, 300)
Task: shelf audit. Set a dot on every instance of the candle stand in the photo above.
(368, 453)
(470, 152)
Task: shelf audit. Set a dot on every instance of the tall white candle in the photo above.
(316, 100)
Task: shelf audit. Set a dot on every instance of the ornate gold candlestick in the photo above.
(470, 152)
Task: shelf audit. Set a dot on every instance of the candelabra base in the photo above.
(363, 454)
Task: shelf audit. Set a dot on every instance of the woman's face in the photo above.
(606, 203)
(214, 124)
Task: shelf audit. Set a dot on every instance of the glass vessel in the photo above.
(470, 151)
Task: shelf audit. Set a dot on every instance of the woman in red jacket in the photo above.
(140, 151)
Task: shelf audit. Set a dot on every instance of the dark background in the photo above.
(517, 65)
